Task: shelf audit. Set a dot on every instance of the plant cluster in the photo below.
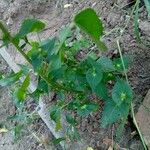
(58, 69)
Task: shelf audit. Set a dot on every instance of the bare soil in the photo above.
(55, 15)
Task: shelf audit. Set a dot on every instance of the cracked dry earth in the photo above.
(55, 15)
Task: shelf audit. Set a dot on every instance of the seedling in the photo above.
(58, 68)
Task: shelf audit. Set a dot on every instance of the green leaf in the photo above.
(24, 68)
(30, 25)
(73, 105)
(108, 76)
(147, 4)
(17, 131)
(10, 79)
(56, 117)
(88, 21)
(20, 93)
(55, 63)
(106, 64)
(80, 83)
(78, 44)
(101, 91)
(58, 125)
(112, 112)
(1, 76)
(118, 63)
(58, 141)
(94, 77)
(5, 39)
(86, 109)
(71, 120)
(36, 56)
(63, 35)
(119, 132)
(85, 43)
(73, 134)
(43, 86)
(26, 83)
(92, 55)
(48, 45)
(56, 74)
(37, 60)
(122, 92)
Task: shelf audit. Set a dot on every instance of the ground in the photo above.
(55, 15)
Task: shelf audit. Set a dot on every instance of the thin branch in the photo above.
(132, 108)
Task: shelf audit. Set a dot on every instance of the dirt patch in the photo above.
(56, 16)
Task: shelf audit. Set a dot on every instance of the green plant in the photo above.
(59, 70)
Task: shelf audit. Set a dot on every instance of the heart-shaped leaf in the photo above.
(88, 21)
(94, 77)
(112, 112)
(122, 92)
(106, 64)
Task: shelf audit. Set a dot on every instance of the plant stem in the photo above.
(120, 53)
(10, 39)
(132, 108)
(122, 61)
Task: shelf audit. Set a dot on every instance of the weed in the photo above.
(58, 69)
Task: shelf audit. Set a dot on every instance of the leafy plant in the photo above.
(58, 68)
